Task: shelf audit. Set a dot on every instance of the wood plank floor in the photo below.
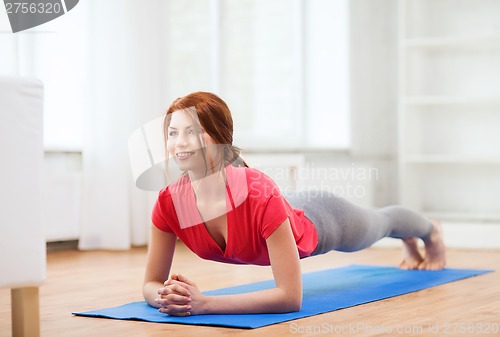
(79, 281)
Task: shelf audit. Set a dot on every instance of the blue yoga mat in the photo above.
(324, 291)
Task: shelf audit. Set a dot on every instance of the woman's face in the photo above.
(190, 146)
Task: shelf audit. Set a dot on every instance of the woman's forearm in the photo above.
(274, 300)
(150, 292)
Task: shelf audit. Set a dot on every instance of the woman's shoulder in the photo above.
(177, 186)
(259, 176)
(251, 182)
(249, 173)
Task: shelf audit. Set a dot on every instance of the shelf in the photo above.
(486, 40)
(449, 111)
(458, 217)
(451, 159)
(450, 100)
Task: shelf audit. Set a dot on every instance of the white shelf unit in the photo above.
(449, 109)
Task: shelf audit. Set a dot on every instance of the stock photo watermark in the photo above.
(349, 181)
(180, 157)
(24, 15)
(432, 328)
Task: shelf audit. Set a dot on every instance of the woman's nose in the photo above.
(181, 140)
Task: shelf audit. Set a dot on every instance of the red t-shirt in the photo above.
(254, 208)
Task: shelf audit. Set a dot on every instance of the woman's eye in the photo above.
(176, 133)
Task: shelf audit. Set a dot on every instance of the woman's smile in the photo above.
(183, 155)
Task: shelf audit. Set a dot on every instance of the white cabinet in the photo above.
(449, 109)
(62, 196)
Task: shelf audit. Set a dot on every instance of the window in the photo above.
(282, 66)
(54, 53)
(8, 47)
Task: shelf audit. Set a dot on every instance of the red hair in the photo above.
(214, 117)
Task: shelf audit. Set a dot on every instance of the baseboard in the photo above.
(62, 245)
(462, 235)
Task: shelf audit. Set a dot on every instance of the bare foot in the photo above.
(411, 256)
(435, 250)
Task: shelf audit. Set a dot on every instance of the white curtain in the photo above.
(126, 88)
(102, 66)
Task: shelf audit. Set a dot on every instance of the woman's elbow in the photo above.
(294, 303)
(297, 305)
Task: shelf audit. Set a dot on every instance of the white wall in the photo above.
(373, 117)
(374, 105)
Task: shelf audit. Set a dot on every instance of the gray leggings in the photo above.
(346, 227)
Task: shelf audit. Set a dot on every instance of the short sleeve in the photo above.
(274, 214)
(158, 215)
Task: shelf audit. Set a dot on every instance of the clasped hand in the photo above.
(180, 297)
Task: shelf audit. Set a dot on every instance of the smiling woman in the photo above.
(227, 212)
(202, 114)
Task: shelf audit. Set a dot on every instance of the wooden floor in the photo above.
(79, 281)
